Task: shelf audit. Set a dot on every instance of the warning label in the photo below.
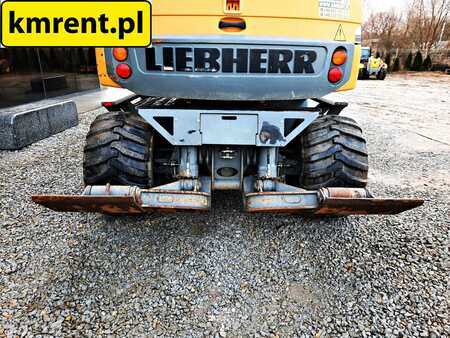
(334, 8)
(340, 35)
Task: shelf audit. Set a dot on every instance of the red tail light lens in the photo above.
(335, 75)
(124, 71)
(120, 54)
(233, 5)
(339, 57)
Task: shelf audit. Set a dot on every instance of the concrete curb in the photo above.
(23, 125)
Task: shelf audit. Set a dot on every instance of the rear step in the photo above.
(284, 199)
(117, 200)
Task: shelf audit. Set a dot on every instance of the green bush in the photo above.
(418, 62)
(396, 66)
(408, 61)
(427, 63)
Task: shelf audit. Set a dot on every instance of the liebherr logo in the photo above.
(231, 60)
(76, 23)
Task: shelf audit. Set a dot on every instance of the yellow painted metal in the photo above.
(351, 83)
(288, 18)
(375, 62)
(306, 9)
(102, 72)
(316, 29)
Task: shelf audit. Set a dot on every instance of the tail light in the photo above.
(120, 54)
(124, 71)
(232, 6)
(335, 75)
(339, 57)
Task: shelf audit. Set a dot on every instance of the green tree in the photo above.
(396, 66)
(427, 63)
(418, 62)
(408, 61)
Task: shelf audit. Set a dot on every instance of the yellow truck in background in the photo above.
(231, 97)
(371, 65)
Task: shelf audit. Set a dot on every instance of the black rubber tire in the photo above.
(363, 75)
(382, 75)
(119, 151)
(334, 154)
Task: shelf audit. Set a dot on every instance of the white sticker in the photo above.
(334, 8)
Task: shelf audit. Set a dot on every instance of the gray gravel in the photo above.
(227, 273)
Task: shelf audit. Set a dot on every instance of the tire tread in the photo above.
(334, 154)
(118, 150)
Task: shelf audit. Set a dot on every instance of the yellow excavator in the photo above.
(372, 65)
(231, 97)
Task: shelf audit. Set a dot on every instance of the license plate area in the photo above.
(225, 129)
(198, 125)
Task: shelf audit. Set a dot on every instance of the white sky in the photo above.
(384, 5)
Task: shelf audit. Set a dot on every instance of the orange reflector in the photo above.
(335, 75)
(339, 57)
(124, 71)
(120, 54)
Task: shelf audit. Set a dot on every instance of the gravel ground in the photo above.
(228, 273)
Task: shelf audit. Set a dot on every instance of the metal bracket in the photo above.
(261, 128)
(118, 200)
(283, 199)
(329, 107)
(127, 103)
(328, 201)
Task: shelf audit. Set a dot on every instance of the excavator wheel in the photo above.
(119, 151)
(382, 75)
(363, 74)
(334, 154)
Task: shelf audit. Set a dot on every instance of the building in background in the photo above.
(32, 74)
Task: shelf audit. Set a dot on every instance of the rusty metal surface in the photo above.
(116, 205)
(281, 202)
(302, 202)
(344, 193)
(103, 204)
(330, 201)
(175, 192)
(366, 206)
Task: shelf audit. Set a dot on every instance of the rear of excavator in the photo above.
(229, 97)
